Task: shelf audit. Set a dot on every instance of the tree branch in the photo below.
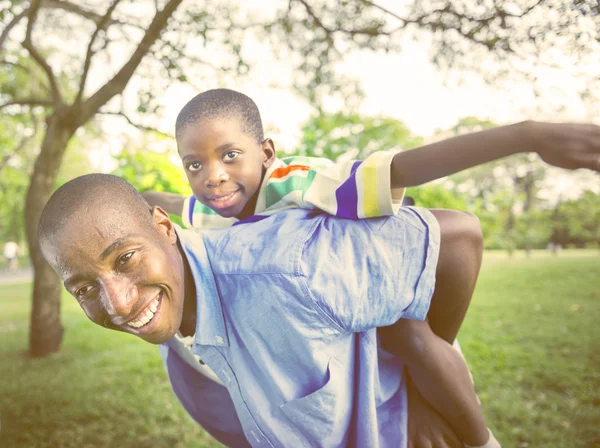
(16, 19)
(349, 31)
(387, 11)
(120, 80)
(27, 102)
(26, 70)
(75, 9)
(28, 45)
(85, 13)
(141, 127)
(71, 7)
(16, 65)
(101, 24)
(428, 20)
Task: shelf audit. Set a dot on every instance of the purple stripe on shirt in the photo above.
(347, 195)
(250, 219)
(191, 209)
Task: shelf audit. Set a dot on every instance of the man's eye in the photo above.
(83, 291)
(229, 156)
(195, 166)
(124, 259)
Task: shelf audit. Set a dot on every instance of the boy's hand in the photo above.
(426, 428)
(567, 145)
(169, 202)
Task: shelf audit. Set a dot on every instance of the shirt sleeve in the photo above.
(370, 273)
(350, 189)
(196, 215)
(186, 216)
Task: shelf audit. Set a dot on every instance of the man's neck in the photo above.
(188, 317)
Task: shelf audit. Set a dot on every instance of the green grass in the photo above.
(104, 389)
(531, 337)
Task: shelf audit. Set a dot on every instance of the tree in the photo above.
(150, 170)
(577, 221)
(353, 136)
(313, 35)
(64, 117)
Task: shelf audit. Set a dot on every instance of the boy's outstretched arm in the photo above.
(169, 202)
(566, 145)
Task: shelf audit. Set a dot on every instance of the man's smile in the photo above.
(147, 315)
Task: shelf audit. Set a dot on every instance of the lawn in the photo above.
(104, 389)
(531, 337)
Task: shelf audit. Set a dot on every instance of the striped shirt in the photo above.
(351, 189)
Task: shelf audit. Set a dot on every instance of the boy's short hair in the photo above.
(93, 193)
(222, 103)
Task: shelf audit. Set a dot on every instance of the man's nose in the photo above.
(216, 175)
(119, 296)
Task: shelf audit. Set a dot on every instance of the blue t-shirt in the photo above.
(287, 312)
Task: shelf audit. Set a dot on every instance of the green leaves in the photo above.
(334, 135)
(150, 170)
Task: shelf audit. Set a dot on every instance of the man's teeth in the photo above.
(146, 315)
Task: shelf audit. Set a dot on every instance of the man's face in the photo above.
(126, 276)
(224, 165)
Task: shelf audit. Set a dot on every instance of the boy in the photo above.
(235, 174)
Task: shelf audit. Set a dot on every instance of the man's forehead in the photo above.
(89, 238)
(74, 254)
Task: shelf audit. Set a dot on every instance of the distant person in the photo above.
(11, 252)
(553, 248)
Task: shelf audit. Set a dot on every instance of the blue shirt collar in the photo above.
(210, 324)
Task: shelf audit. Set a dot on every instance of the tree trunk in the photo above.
(46, 330)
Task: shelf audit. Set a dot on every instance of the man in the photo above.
(294, 345)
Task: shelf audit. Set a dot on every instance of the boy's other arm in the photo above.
(566, 145)
(425, 426)
(169, 202)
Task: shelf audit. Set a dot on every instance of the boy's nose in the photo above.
(119, 296)
(216, 176)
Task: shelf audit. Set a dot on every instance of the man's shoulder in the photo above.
(271, 244)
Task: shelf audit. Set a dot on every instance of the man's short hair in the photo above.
(93, 193)
(222, 103)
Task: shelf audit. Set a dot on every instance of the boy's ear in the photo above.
(164, 223)
(269, 154)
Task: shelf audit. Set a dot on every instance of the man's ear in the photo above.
(269, 154)
(164, 223)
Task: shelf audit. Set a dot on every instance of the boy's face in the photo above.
(126, 276)
(224, 165)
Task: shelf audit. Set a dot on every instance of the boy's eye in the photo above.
(194, 166)
(124, 259)
(83, 291)
(229, 156)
